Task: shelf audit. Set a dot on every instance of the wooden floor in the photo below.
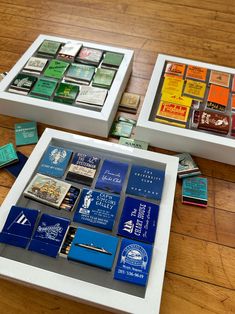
(200, 271)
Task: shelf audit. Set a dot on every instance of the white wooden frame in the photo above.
(70, 117)
(215, 147)
(84, 291)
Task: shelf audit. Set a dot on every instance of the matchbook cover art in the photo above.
(195, 97)
(47, 190)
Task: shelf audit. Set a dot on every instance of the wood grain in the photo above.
(26, 300)
(186, 295)
(210, 224)
(200, 271)
(202, 260)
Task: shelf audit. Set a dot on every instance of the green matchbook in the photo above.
(103, 78)
(66, 93)
(43, 88)
(49, 47)
(112, 60)
(26, 133)
(56, 69)
(80, 73)
(121, 129)
(7, 155)
(22, 84)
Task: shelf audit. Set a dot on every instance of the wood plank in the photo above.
(118, 23)
(70, 31)
(17, 46)
(122, 25)
(189, 52)
(195, 16)
(209, 224)
(24, 299)
(216, 169)
(204, 9)
(226, 6)
(146, 56)
(224, 195)
(184, 295)
(6, 180)
(201, 260)
(10, 59)
(214, 223)
(142, 70)
(3, 193)
(6, 136)
(122, 6)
